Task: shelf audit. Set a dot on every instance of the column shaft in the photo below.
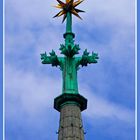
(70, 127)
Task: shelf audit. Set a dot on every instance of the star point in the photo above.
(68, 6)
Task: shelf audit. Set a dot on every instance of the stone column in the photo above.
(70, 107)
(70, 127)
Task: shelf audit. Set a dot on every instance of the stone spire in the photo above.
(70, 103)
(71, 127)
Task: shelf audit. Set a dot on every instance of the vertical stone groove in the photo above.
(70, 127)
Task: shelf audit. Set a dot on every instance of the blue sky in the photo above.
(107, 28)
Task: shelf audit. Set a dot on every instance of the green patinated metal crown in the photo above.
(69, 64)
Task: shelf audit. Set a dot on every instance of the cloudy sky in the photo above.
(107, 28)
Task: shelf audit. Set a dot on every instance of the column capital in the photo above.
(65, 99)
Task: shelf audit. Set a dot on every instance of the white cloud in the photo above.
(100, 108)
(31, 91)
(120, 11)
(97, 12)
(35, 94)
(24, 15)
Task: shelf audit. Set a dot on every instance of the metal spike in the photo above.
(67, 1)
(62, 3)
(59, 14)
(77, 2)
(76, 14)
(58, 6)
(64, 17)
(78, 10)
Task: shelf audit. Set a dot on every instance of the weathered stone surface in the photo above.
(71, 127)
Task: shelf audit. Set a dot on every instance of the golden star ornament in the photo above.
(68, 6)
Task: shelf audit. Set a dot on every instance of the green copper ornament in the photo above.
(69, 64)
